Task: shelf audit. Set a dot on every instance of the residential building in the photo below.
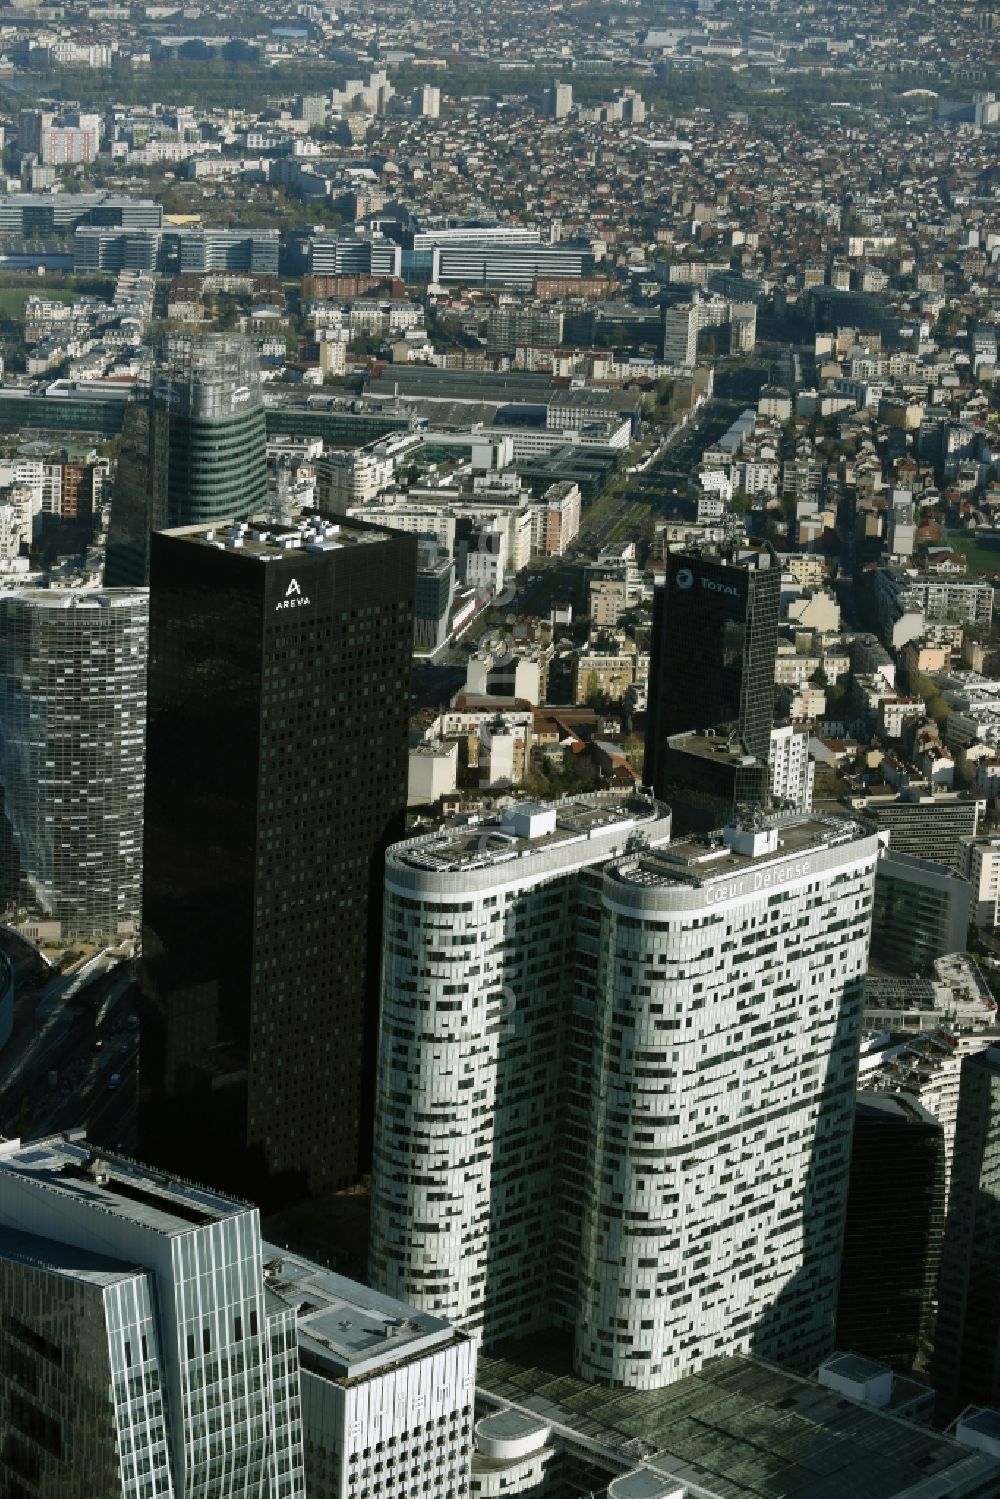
(426, 101)
(193, 448)
(72, 728)
(555, 519)
(276, 777)
(558, 99)
(793, 770)
(351, 478)
(141, 1352)
(981, 867)
(607, 601)
(607, 667)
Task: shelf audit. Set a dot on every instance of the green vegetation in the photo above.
(979, 557)
(632, 518)
(935, 704)
(13, 298)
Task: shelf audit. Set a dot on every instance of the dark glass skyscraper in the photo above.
(965, 1367)
(276, 778)
(193, 447)
(713, 649)
(893, 1230)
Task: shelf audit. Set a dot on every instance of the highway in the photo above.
(78, 1031)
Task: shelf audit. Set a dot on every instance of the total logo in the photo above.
(684, 578)
(294, 597)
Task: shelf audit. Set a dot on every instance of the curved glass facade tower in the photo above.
(729, 1007)
(193, 447)
(491, 937)
(72, 733)
(616, 1081)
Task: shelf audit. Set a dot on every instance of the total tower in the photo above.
(711, 682)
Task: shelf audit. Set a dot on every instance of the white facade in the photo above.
(387, 1391)
(432, 772)
(491, 942)
(792, 768)
(174, 1374)
(352, 478)
(617, 1094)
(929, 1066)
(981, 867)
(729, 1003)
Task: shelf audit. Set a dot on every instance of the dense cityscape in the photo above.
(499, 750)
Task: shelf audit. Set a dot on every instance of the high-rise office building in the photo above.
(492, 942)
(72, 725)
(387, 1391)
(729, 1003)
(140, 1353)
(966, 1364)
(276, 778)
(616, 1082)
(713, 649)
(192, 449)
(921, 912)
(152, 1345)
(893, 1230)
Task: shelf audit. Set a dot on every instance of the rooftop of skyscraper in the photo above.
(76, 598)
(525, 829)
(265, 541)
(738, 850)
(66, 1164)
(346, 1330)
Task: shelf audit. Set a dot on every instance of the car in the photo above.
(114, 1081)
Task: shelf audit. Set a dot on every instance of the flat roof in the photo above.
(57, 1258)
(703, 861)
(346, 1330)
(266, 542)
(494, 840)
(720, 749)
(68, 1165)
(741, 1429)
